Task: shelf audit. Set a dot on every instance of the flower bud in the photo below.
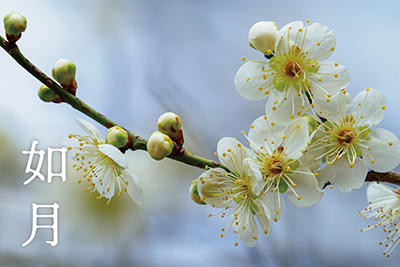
(262, 36)
(64, 72)
(14, 23)
(159, 145)
(117, 137)
(194, 193)
(48, 95)
(170, 124)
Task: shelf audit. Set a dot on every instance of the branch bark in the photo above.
(387, 177)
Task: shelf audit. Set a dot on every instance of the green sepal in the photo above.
(294, 165)
(282, 187)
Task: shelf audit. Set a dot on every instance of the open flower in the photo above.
(103, 166)
(296, 72)
(384, 207)
(237, 193)
(347, 143)
(278, 151)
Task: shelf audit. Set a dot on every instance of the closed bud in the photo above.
(159, 145)
(262, 36)
(170, 124)
(14, 23)
(194, 193)
(117, 137)
(48, 95)
(64, 72)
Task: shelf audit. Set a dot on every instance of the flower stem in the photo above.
(78, 104)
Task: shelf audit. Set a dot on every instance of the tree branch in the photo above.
(387, 177)
(136, 141)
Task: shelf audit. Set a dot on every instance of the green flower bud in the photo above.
(194, 193)
(159, 145)
(170, 124)
(64, 72)
(14, 23)
(48, 95)
(117, 137)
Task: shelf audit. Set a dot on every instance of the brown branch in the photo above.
(387, 177)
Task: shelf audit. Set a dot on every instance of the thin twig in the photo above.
(136, 141)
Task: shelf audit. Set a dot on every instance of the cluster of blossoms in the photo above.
(312, 134)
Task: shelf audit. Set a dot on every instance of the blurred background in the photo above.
(138, 59)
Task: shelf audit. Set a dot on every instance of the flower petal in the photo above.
(232, 153)
(330, 79)
(263, 216)
(247, 228)
(252, 81)
(377, 191)
(214, 187)
(287, 36)
(88, 128)
(306, 187)
(312, 157)
(318, 41)
(384, 152)
(265, 137)
(368, 107)
(253, 172)
(134, 187)
(346, 178)
(106, 188)
(275, 203)
(297, 137)
(326, 174)
(335, 109)
(115, 154)
(281, 107)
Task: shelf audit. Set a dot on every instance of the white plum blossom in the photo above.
(103, 166)
(296, 72)
(237, 193)
(384, 208)
(347, 143)
(278, 149)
